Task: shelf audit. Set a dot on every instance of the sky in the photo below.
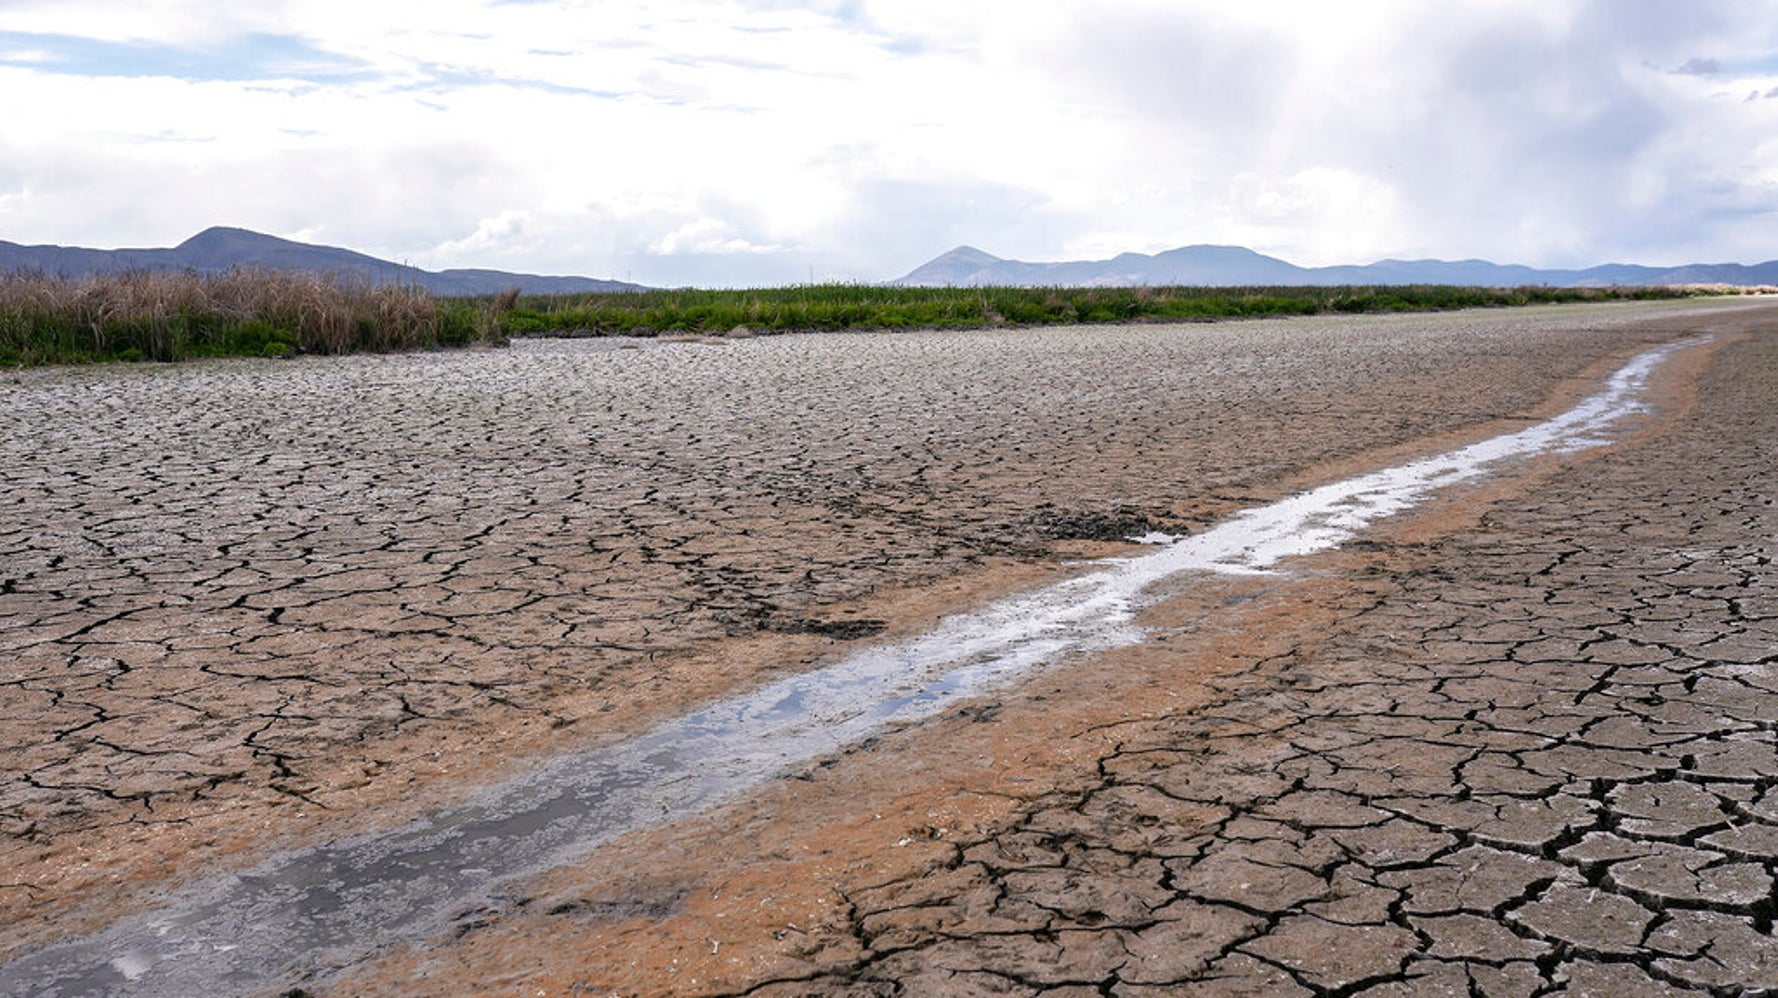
(757, 142)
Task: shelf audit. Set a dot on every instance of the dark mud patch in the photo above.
(1118, 523)
(840, 630)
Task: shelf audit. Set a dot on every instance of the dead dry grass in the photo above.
(143, 315)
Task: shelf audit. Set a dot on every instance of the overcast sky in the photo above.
(775, 141)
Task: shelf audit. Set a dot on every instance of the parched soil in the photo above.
(1524, 739)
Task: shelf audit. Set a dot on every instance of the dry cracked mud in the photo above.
(1521, 742)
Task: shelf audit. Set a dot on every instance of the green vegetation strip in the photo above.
(857, 306)
(174, 316)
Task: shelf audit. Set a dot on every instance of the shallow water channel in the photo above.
(296, 918)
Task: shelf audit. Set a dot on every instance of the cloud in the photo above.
(1519, 131)
(502, 233)
(686, 141)
(175, 22)
(707, 237)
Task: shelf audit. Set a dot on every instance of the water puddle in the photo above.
(297, 918)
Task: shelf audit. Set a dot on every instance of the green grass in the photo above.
(169, 317)
(857, 306)
(161, 316)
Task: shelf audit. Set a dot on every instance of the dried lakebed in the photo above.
(132, 966)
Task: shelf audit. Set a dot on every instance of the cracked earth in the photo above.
(1519, 743)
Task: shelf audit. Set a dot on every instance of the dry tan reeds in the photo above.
(162, 315)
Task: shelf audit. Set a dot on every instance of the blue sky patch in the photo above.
(1767, 66)
(446, 77)
(251, 57)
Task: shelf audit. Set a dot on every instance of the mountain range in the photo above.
(1236, 266)
(222, 248)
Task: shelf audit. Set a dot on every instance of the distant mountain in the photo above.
(967, 266)
(221, 248)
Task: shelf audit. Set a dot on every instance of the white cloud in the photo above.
(499, 234)
(707, 236)
(681, 139)
(166, 21)
(1318, 216)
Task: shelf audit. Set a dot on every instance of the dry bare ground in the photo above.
(253, 605)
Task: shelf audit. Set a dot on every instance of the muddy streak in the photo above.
(340, 903)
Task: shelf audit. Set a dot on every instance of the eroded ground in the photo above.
(248, 605)
(1520, 744)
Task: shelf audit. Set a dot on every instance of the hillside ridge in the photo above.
(1205, 264)
(220, 248)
